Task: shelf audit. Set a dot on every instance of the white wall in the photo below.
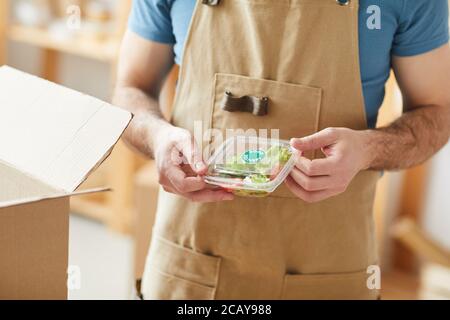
(436, 216)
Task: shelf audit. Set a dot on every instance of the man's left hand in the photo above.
(346, 153)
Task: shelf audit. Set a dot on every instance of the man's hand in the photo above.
(346, 154)
(410, 140)
(142, 68)
(181, 167)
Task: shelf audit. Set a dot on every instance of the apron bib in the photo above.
(303, 55)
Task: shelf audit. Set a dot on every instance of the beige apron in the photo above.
(303, 55)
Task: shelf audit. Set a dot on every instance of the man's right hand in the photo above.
(181, 167)
(143, 67)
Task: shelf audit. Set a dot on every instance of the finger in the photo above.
(201, 196)
(308, 196)
(315, 141)
(193, 155)
(311, 183)
(213, 187)
(208, 195)
(183, 184)
(169, 189)
(316, 167)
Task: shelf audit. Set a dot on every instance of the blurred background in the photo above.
(75, 43)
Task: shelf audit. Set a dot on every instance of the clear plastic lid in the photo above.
(250, 163)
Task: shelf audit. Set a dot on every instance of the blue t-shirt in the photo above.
(386, 27)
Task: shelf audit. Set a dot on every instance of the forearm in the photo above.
(410, 140)
(147, 121)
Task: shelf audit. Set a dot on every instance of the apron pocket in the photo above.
(176, 272)
(170, 287)
(328, 286)
(293, 109)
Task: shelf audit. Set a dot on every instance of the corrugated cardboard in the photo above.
(34, 250)
(51, 138)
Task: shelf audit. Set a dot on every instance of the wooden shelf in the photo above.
(101, 50)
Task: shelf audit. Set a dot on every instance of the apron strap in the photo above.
(256, 105)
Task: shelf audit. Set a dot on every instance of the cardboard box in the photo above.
(51, 138)
(146, 200)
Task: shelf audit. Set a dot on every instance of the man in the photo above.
(313, 238)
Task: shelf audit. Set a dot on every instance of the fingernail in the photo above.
(200, 166)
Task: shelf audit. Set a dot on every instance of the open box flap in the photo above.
(12, 203)
(53, 133)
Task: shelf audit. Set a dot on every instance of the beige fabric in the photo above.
(303, 55)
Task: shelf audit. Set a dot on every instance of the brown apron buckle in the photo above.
(211, 2)
(256, 105)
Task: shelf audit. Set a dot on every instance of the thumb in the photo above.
(193, 154)
(315, 141)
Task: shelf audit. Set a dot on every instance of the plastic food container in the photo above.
(250, 166)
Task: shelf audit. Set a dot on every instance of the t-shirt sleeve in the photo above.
(151, 20)
(423, 26)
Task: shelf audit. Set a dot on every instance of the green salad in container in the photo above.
(250, 166)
